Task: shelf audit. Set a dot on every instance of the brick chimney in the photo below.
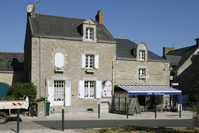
(197, 42)
(166, 50)
(99, 17)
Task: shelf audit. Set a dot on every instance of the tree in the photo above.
(20, 89)
(195, 91)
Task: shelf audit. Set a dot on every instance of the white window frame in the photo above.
(89, 34)
(89, 61)
(142, 74)
(141, 54)
(88, 87)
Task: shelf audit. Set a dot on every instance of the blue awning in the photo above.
(150, 90)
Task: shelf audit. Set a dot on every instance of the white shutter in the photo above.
(83, 61)
(98, 89)
(68, 93)
(81, 89)
(96, 61)
(51, 92)
(59, 60)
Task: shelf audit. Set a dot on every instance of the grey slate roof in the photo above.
(123, 47)
(174, 60)
(11, 62)
(63, 27)
(185, 53)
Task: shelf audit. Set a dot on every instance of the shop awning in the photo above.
(149, 90)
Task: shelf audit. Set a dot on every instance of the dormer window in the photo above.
(89, 34)
(141, 54)
(89, 30)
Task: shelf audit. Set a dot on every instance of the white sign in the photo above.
(175, 84)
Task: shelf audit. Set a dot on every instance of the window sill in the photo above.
(59, 70)
(90, 70)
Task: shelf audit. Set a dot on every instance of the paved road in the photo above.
(75, 124)
(55, 125)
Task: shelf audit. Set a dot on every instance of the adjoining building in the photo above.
(182, 68)
(77, 63)
(11, 67)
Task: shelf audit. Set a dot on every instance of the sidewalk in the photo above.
(111, 116)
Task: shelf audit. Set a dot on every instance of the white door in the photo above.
(104, 107)
(59, 90)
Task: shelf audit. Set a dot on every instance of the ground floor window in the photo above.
(89, 89)
(59, 90)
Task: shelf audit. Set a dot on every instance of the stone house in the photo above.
(78, 64)
(181, 66)
(136, 66)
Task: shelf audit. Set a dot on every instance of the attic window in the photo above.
(89, 34)
(141, 54)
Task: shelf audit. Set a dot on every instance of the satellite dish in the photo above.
(30, 8)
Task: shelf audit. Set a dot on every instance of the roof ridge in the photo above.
(119, 38)
(182, 48)
(12, 52)
(59, 16)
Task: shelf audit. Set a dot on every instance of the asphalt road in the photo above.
(53, 126)
(80, 124)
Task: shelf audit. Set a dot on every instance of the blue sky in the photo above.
(158, 23)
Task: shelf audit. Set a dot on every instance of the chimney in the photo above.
(197, 42)
(166, 50)
(99, 17)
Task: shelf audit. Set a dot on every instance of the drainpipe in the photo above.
(113, 72)
(39, 66)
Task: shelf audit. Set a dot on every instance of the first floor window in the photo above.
(58, 90)
(89, 89)
(89, 61)
(141, 54)
(142, 74)
(89, 34)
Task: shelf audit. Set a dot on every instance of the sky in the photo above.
(157, 23)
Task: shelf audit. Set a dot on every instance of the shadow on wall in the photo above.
(18, 69)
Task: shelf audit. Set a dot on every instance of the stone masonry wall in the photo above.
(9, 78)
(72, 70)
(157, 73)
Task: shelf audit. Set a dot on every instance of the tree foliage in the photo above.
(19, 89)
(195, 91)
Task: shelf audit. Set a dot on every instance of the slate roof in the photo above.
(64, 27)
(11, 62)
(123, 47)
(185, 53)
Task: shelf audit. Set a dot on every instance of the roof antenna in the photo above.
(174, 45)
(36, 2)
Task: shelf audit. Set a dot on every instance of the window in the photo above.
(59, 62)
(59, 90)
(89, 61)
(142, 74)
(89, 34)
(89, 89)
(141, 54)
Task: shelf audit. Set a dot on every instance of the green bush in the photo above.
(19, 89)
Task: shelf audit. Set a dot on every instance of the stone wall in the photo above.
(72, 70)
(126, 72)
(10, 78)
